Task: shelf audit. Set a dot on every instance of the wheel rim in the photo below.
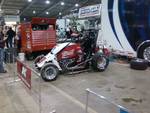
(146, 54)
(101, 63)
(50, 73)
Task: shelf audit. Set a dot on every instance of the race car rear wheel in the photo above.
(49, 72)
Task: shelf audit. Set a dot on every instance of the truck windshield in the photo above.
(42, 27)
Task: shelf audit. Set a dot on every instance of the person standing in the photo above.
(2, 45)
(10, 34)
(18, 40)
(68, 32)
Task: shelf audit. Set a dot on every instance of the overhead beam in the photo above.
(54, 5)
(68, 10)
(49, 8)
(27, 7)
(1, 4)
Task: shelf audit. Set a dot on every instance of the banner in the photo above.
(90, 11)
(24, 73)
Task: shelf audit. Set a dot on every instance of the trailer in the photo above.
(126, 27)
(37, 35)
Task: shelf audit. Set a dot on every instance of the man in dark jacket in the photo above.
(10, 34)
(2, 44)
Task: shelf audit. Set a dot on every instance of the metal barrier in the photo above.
(32, 81)
(25, 86)
(106, 105)
(10, 55)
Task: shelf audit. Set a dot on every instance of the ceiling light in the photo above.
(76, 5)
(29, 0)
(60, 13)
(62, 3)
(68, 20)
(47, 13)
(34, 12)
(47, 2)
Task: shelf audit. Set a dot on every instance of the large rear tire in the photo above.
(100, 62)
(144, 52)
(49, 72)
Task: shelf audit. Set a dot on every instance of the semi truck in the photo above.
(125, 26)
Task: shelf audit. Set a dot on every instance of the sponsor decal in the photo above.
(28, 40)
(67, 53)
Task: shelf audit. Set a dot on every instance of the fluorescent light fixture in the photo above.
(76, 5)
(34, 12)
(47, 12)
(11, 23)
(29, 0)
(62, 3)
(47, 2)
(60, 13)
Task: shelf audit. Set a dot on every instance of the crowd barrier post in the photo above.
(88, 92)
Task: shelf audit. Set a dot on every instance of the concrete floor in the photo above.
(120, 84)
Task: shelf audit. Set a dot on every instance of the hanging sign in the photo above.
(90, 11)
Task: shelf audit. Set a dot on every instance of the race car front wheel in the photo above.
(49, 72)
(100, 62)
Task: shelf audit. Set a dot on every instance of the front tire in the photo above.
(100, 62)
(49, 72)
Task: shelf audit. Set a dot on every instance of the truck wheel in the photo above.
(49, 72)
(37, 59)
(144, 52)
(139, 64)
(29, 56)
(99, 62)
